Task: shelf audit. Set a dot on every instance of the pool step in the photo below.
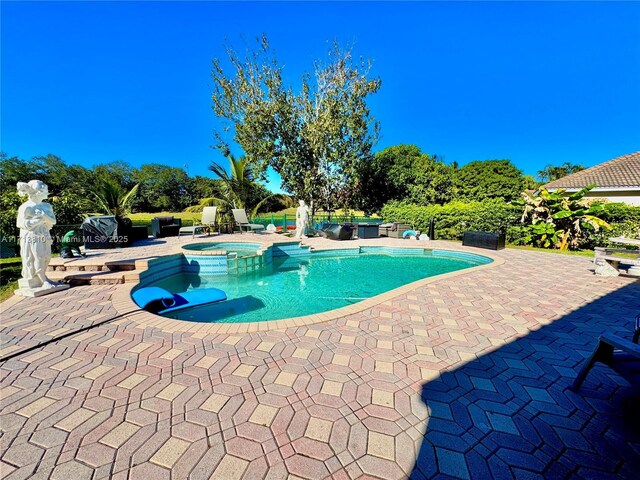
(88, 264)
(94, 277)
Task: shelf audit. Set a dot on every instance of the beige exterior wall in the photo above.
(630, 197)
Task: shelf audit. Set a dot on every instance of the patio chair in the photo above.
(619, 354)
(207, 223)
(240, 217)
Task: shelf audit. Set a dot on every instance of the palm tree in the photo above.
(551, 173)
(111, 198)
(237, 188)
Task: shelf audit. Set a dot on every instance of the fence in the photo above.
(282, 220)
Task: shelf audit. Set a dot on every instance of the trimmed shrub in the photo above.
(624, 220)
(455, 218)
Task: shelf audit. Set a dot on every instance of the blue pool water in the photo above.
(240, 248)
(316, 283)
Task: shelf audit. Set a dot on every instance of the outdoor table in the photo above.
(607, 262)
(368, 230)
(226, 227)
(625, 241)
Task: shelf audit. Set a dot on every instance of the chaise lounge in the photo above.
(619, 354)
(207, 223)
(241, 220)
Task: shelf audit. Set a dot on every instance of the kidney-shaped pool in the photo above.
(292, 286)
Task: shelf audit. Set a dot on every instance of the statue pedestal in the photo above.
(27, 290)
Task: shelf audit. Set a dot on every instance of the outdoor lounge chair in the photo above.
(240, 217)
(619, 354)
(208, 222)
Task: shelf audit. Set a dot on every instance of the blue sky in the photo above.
(537, 83)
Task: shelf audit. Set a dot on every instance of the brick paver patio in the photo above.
(464, 377)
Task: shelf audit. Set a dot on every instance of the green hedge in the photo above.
(625, 221)
(455, 218)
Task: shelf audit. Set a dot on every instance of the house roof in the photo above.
(621, 172)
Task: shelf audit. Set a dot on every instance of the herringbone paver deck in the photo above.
(465, 377)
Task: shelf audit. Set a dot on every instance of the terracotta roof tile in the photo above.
(623, 171)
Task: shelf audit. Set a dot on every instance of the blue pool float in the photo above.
(409, 233)
(158, 300)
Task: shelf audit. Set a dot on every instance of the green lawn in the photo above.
(10, 269)
(578, 253)
(145, 218)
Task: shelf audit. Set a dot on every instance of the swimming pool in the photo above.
(317, 282)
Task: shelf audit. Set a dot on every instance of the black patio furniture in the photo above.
(165, 227)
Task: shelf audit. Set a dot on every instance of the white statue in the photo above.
(35, 219)
(302, 219)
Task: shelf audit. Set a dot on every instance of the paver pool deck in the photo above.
(465, 376)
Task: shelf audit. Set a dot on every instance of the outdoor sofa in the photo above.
(394, 229)
(165, 227)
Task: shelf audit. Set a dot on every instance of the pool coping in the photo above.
(127, 308)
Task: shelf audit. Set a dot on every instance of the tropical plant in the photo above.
(557, 220)
(237, 189)
(111, 198)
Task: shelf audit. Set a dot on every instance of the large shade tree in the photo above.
(483, 180)
(314, 138)
(403, 172)
(162, 188)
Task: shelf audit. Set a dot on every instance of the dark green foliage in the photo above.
(483, 180)
(162, 188)
(624, 220)
(9, 203)
(51, 169)
(455, 218)
(70, 208)
(118, 171)
(202, 187)
(403, 172)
